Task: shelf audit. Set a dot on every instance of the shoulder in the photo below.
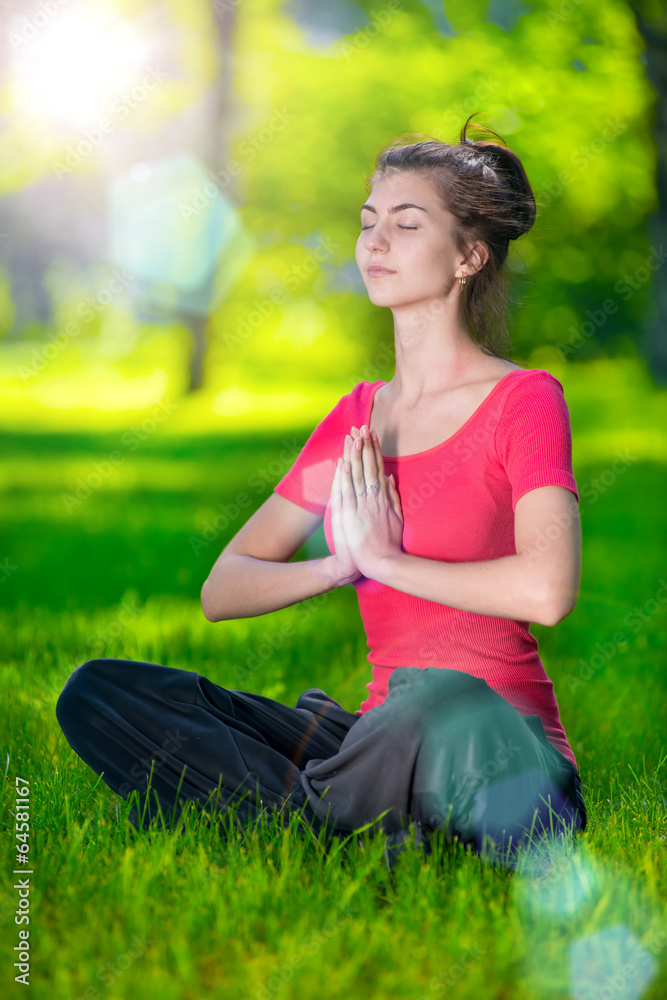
(532, 407)
(351, 409)
(534, 387)
(358, 394)
(531, 377)
(356, 403)
(363, 390)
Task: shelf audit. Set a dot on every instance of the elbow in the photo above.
(551, 616)
(554, 607)
(205, 608)
(206, 605)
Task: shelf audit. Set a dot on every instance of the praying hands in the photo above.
(366, 514)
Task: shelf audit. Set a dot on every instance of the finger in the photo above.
(349, 474)
(337, 508)
(380, 475)
(369, 460)
(348, 492)
(337, 499)
(356, 465)
(394, 498)
(335, 485)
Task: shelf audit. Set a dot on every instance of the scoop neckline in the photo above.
(429, 451)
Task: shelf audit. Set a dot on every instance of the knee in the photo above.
(74, 699)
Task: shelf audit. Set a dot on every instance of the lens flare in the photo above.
(69, 68)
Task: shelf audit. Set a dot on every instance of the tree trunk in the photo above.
(652, 25)
(216, 153)
(199, 342)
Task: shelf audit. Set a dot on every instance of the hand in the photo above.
(344, 568)
(372, 525)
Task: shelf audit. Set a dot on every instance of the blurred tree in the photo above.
(216, 150)
(564, 84)
(301, 99)
(7, 308)
(58, 159)
(652, 22)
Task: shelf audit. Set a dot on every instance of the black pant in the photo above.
(443, 750)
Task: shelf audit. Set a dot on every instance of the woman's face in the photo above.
(412, 243)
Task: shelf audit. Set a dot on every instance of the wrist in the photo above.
(330, 573)
(386, 568)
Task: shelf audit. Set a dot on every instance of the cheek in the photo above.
(419, 263)
(429, 263)
(361, 257)
(357, 252)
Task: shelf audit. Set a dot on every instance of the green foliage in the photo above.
(582, 133)
(566, 88)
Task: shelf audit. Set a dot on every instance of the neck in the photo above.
(434, 350)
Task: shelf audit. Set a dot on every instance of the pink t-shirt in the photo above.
(458, 502)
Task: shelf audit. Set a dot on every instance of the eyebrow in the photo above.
(396, 208)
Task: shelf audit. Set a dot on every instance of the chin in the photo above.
(386, 301)
(382, 294)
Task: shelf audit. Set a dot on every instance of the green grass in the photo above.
(209, 914)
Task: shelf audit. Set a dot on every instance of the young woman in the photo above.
(449, 503)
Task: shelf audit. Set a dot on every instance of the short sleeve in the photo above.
(308, 482)
(533, 438)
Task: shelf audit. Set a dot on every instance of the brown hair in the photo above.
(485, 188)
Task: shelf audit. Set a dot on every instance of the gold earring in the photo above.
(462, 280)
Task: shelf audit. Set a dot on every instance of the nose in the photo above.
(375, 238)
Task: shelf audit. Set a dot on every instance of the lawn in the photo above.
(104, 552)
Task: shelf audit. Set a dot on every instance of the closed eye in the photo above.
(399, 226)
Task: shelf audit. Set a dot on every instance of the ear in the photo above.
(480, 255)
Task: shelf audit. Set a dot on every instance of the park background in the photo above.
(179, 306)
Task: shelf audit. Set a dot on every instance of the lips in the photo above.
(375, 269)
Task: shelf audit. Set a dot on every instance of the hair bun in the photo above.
(509, 170)
(520, 201)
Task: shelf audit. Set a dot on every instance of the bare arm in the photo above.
(539, 584)
(253, 576)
